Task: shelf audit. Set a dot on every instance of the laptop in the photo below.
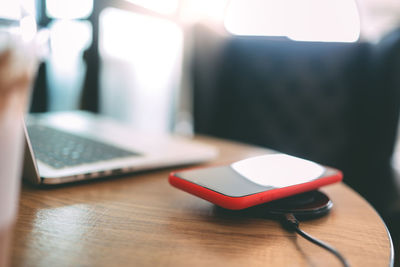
(63, 147)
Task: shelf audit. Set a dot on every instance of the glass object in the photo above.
(17, 68)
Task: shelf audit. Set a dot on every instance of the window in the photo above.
(69, 9)
(70, 35)
(141, 58)
(161, 6)
(306, 20)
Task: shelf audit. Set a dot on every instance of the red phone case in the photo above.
(330, 176)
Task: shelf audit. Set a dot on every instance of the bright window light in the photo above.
(28, 28)
(141, 58)
(65, 65)
(196, 10)
(306, 20)
(68, 37)
(69, 9)
(131, 37)
(161, 6)
(28, 7)
(9, 9)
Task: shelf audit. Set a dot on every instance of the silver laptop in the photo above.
(65, 147)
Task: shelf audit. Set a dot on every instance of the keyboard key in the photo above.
(61, 149)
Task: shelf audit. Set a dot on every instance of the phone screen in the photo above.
(255, 175)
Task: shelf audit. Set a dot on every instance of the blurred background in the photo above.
(314, 78)
(140, 46)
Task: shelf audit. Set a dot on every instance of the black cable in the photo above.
(292, 224)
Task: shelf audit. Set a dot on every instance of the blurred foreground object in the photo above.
(18, 60)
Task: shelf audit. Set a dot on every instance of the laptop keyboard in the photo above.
(61, 149)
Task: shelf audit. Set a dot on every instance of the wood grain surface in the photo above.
(140, 220)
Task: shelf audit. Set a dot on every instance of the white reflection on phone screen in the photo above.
(278, 170)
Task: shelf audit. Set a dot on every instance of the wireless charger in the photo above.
(304, 206)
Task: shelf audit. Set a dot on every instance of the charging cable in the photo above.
(290, 223)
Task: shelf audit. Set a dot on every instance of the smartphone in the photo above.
(255, 180)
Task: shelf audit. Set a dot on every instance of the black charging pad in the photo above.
(304, 206)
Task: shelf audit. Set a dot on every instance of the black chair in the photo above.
(333, 103)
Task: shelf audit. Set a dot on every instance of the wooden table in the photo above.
(141, 220)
